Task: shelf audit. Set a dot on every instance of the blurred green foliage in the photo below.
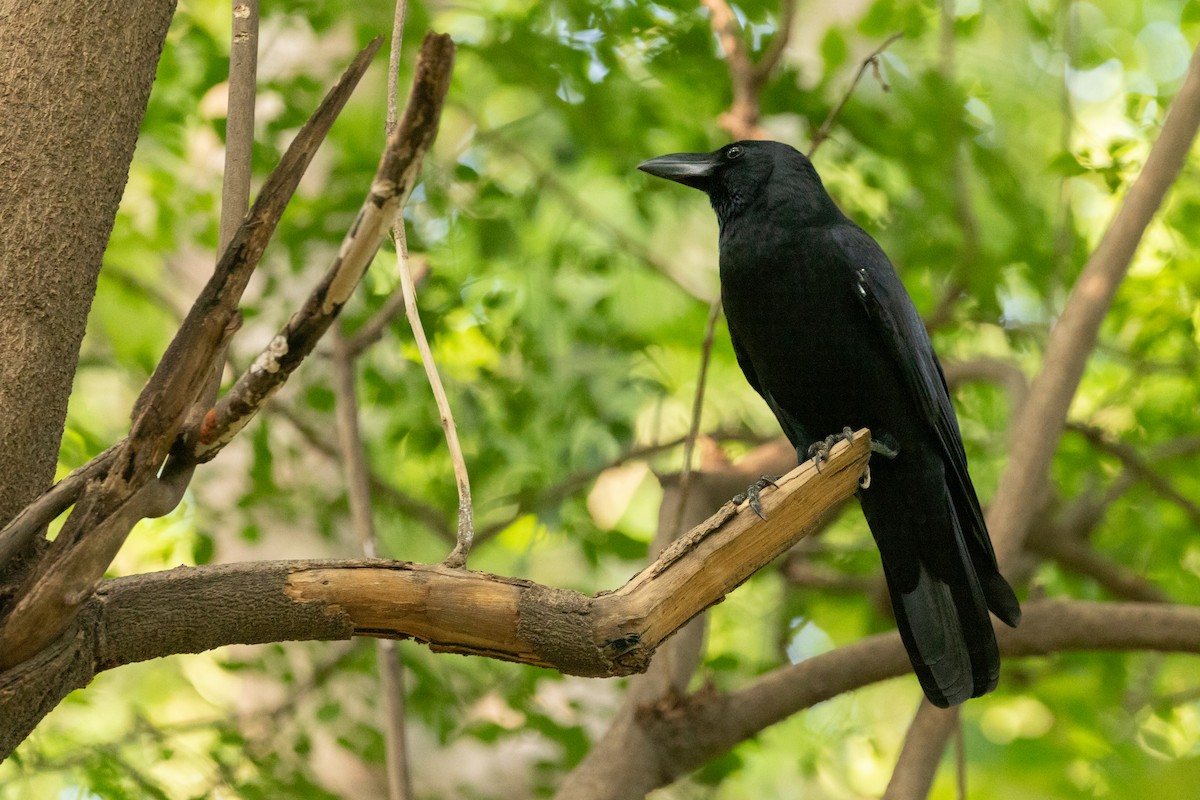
(565, 307)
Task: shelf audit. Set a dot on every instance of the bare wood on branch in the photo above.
(451, 610)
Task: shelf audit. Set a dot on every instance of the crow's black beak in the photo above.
(690, 169)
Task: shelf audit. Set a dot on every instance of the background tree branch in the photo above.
(1042, 417)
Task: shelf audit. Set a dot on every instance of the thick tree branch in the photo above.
(747, 77)
(451, 610)
(921, 754)
(1073, 338)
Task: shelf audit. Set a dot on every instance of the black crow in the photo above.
(825, 332)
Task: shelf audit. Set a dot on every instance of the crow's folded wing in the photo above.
(903, 334)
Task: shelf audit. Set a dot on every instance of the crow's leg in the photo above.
(751, 494)
(886, 446)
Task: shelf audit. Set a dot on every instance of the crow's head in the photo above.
(770, 175)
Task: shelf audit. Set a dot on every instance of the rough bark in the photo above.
(74, 82)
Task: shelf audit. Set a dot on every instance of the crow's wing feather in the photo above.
(900, 327)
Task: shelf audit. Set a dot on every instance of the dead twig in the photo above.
(872, 62)
(689, 443)
(394, 180)
(466, 522)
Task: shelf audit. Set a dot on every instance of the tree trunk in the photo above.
(74, 81)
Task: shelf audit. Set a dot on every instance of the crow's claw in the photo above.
(751, 494)
(819, 451)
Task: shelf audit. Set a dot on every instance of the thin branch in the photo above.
(871, 61)
(1138, 466)
(239, 120)
(391, 673)
(354, 463)
(1081, 559)
(372, 330)
(429, 516)
(579, 209)
(689, 443)
(393, 103)
(465, 533)
(779, 42)
(466, 517)
(350, 446)
(394, 180)
(387, 653)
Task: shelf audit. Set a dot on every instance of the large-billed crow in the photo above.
(825, 332)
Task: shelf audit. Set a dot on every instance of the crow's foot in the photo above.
(751, 494)
(819, 451)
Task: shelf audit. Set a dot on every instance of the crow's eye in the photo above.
(734, 152)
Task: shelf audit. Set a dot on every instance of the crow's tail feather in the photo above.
(948, 635)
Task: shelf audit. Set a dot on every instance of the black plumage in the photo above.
(825, 332)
